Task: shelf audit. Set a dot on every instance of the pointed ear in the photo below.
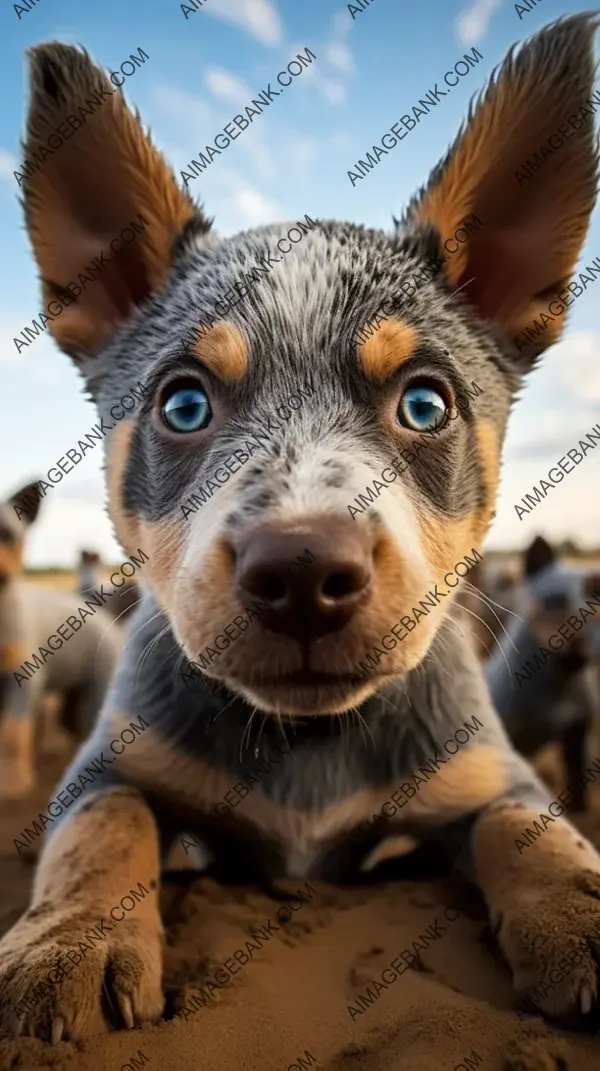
(533, 222)
(104, 175)
(27, 501)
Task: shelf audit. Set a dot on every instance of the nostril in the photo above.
(343, 582)
(267, 584)
(273, 588)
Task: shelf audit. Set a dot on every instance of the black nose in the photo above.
(312, 579)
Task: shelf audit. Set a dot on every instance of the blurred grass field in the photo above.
(63, 579)
(66, 579)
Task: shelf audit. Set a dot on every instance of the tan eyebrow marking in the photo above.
(224, 350)
(392, 343)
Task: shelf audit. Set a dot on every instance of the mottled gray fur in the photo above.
(299, 323)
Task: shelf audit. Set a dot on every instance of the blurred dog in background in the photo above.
(79, 668)
(544, 683)
(89, 577)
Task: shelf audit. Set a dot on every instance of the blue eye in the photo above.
(187, 409)
(422, 409)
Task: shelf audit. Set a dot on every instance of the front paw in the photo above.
(70, 974)
(551, 938)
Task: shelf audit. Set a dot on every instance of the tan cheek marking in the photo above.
(212, 588)
(117, 456)
(392, 343)
(224, 350)
(12, 656)
(390, 848)
(488, 446)
(163, 542)
(445, 541)
(399, 584)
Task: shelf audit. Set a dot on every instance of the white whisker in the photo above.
(491, 631)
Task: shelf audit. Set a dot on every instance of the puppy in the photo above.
(79, 670)
(88, 580)
(88, 572)
(296, 664)
(541, 674)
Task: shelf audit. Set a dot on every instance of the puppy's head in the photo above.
(17, 513)
(273, 485)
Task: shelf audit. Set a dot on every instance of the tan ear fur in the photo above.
(532, 230)
(79, 197)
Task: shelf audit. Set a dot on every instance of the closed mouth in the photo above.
(306, 692)
(308, 677)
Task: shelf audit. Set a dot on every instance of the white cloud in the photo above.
(336, 55)
(225, 86)
(310, 73)
(560, 405)
(8, 164)
(342, 24)
(577, 361)
(473, 22)
(313, 77)
(561, 400)
(568, 512)
(340, 56)
(199, 122)
(259, 18)
(334, 92)
(254, 207)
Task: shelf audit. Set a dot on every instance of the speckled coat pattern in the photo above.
(353, 743)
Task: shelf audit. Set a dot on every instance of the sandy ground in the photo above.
(290, 1001)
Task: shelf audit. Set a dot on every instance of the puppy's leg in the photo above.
(81, 707)
(87, 952)
(17, 725)
(17, 773)
(543, 891)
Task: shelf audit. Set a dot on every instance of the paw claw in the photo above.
(126, 1011)
(58, 1014)
(58, 1026)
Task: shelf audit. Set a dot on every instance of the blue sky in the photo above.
(293, 160)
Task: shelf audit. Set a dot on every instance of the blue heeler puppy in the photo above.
(355, 739)
(542, 673)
